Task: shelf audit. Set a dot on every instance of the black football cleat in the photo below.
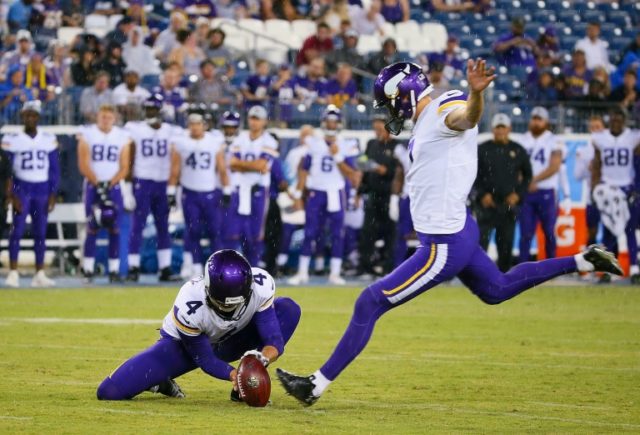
(168, 388)
(115, 278)
(87, 276)
(167, 276)
(602, 260)
(300, 387)
(635, 279)
(605, 279)
(235, 396)
(134, 274)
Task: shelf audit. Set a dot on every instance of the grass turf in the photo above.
(552, 360)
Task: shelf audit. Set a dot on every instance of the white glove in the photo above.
(565, 206)
(263, 359)
(127, 196)
(394, 208)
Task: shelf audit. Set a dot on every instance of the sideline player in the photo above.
(150, 172)
(34, 183)
(443, 151)
(104, 161)
(217, 318)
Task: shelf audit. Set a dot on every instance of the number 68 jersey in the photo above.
(105, 149)
(152, 160)
(192, 316)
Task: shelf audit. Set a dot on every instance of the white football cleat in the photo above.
(298, 279)
(336, 280)
(13, 279)
(40, 279)
(185, 272)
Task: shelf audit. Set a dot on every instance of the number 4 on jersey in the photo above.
(193, 306)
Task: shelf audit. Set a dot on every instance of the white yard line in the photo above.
(127, 411)
(11, 417)
(566, 405)
(108, 321)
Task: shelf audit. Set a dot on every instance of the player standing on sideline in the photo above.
(612, 164)
(545, 152)
(104, 160)
(36, 173)
(217, 318)
(322, 176)
(151, 166)
(252, 152)
(194, 165)
(443, 151)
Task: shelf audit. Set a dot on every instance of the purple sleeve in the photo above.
(277, 174)
(351, 161)
(268, 328)
(54, 172)
(351, 89)
(306, 162)
(199, 348)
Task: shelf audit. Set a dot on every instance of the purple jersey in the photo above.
(339, 94)
(576, 83)
(392, 13)
(197, 8)
(307, 88)
(258, 86)
(174, 99)
(515, 56)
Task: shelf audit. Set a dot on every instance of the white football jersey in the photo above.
(539, 150)
(105, 149)
(244, 148)
(402, 154)
(616, 155)
(444, 167)
(292, 163)
(190, 314)
(30, 155)
(324, 173)
(198, 161)
(152, 159)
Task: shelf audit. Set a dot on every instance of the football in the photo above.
(254, 383)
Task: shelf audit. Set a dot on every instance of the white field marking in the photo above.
(566, 405)
(86, 321)
(127, 411)
(446, 408)
(109, 348)
(11, 417)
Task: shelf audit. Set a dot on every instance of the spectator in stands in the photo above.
(460, 6)
(113, 64)
(256, 89)
(202, 27)
(38, 80)
(386, 56)
(338, 37)
(595, 102)
(450, 58)
(437, 79)
(231, 9)
(83, 71)
(577, 75)
(129, 96)
(19, 15)
(633, 47)
(13, 94)
(138, 16)
(217, 53)
(197, 8)
(395, 11)
(212, 88)
(336, 13)
(515, 48)
(286, 10)
(626, 94)
(369, 21)
(600, 73)
(167, 39)
(58, 64)
(547, 44)
(105, 7)
(346, 54)
(95, 96)
(73, 12)
(595, 49)
(20, 56)
(543, 92)
(138, 56)
(312, 87)
(174, 95)
(46, 19)
(187, 54)
(120, 34)
(283, 93)
(315, 45)
(342, 89)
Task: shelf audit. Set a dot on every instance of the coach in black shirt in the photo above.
(504, 173)
(5, 188)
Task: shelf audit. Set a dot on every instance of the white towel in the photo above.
(244, 200)
(333, 200)
(613, 206)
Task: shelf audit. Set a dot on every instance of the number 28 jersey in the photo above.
(105, 150)
(190, 314)
(539, 150)
(152, 160)
(198, 161)
(616, 155)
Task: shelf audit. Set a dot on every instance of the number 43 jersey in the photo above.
(192, 316)
(152, 159)
(105, 149)
(198, 161)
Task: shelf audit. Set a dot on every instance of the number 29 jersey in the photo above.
(152, 160)
(539, 150)
(191, 316)
(105, 150)
(616, 156)
(30, 155)
(198, 161)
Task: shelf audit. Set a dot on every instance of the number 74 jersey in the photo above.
(190, 314)
(152, 159)
(540, 149)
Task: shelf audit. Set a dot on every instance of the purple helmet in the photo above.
(105, 214)
(230, 124)
(153, 108)
(227, 282)
(331, 113)
(399, 87)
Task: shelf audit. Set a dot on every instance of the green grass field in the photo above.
(552, 360)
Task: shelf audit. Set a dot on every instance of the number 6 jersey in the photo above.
(104, 149)
(192, 316)
(198, 161)
(152, 159)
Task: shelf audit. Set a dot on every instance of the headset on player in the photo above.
(331, 114)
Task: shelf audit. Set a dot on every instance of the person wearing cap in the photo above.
(345, 54)
(13, 94)
(20, 56)
(515, 48)
(129, 96)
(616, 153)
(596, 50)
(540, 204)
(577, 76)
(252, 153)
(504, 174)
(450, 58)
(34, 185)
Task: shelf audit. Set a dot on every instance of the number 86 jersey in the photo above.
(105, 149)
(152, 152)
(190, 314)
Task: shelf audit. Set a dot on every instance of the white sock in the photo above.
(319, 263)
(134, 260)
(634, 269)
(164, 258)
(282, 259)
(321, 383)
(88, 264)
(198, 269)
(187, 259)
(335, 267)
(583, 265)
(303, 265)
(114, 265)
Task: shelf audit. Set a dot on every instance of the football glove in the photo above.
(394, 208)
(171, 196)
(263, 359)
(102, 191)
(127, 196)
(226, 196)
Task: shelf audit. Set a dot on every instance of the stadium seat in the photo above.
(279, 29)
(149, 81)
(619, 18)
(568, 16)
(389, 30)
(236, 41)
(67, 34)
(407, 29)
(95, 20)
(437, 33)
(252, 24)
(303, 28)
(368, 44)
(593, 15)
(113, 21)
